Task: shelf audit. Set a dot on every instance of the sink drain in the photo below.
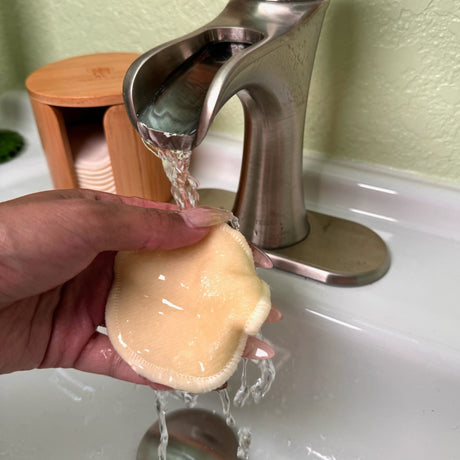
(194, 434)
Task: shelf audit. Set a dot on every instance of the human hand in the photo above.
(56, 269)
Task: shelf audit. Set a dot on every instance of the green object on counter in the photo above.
(11, 144)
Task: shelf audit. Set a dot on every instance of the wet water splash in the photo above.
(190, 400)
(264, 382)
(234, 223)
(160, 406)
(226, 407)
(256, 392)
(243, 392)
(176, 164)
(262, 385)
(244, 443)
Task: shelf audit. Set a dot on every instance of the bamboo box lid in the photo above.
(93, 80)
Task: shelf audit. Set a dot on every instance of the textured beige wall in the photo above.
(386, 85)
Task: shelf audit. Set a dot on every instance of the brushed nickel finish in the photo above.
(262, 51)
(337, 251)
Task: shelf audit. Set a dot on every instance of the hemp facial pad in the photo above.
(182, 317)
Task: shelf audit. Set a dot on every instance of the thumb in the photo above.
(122, 226)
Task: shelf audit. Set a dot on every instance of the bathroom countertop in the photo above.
(28, 172)
(375, 370)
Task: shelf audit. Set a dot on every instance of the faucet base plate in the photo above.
(337, 251)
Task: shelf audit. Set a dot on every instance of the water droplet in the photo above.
(244, 442)
(225, 400)
(243, 392)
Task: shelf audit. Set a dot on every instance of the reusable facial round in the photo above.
(182, 317)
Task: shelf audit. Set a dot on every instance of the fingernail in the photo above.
(274, 315)
(205, 216)
(260, 258)
(222, 387)
(257, 349)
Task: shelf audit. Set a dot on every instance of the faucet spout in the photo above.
(262, 51)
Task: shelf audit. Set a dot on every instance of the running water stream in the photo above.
(184, 191)
(256, 392)
(176, 164)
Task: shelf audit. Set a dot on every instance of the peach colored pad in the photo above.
(182, 317)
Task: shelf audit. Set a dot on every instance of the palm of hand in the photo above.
(56, 270)
(58, 327)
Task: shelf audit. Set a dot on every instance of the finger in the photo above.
(130, 200)
(99, 357)
(274, 315)
(121, 226)
(200, 216)
(260, 258)
(258, 349)
(68, 194)
(142, 202)
(112, 222)
(205, 216)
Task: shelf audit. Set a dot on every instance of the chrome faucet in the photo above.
(263, 52)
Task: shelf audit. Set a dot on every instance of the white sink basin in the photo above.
(362, 373)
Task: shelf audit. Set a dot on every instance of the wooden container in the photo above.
(86, 91)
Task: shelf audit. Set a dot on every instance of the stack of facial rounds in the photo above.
(91, 159)
(182, 317)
